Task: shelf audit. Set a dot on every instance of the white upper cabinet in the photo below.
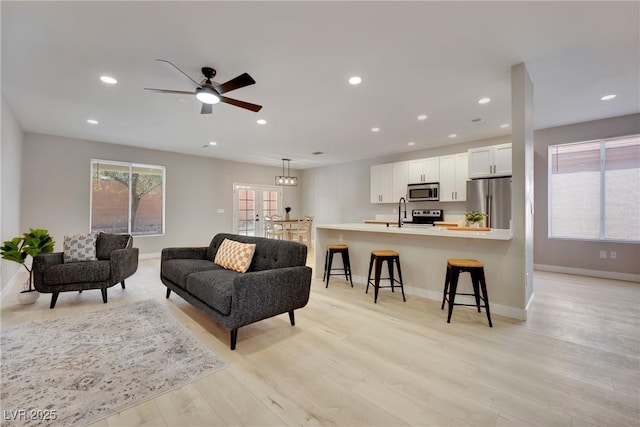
(492, 161)
(424, 170)
(382, 183)
(454, 170)
(400, 180)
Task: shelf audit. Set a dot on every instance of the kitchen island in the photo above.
(424, 251)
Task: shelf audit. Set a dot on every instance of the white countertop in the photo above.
(416, 230)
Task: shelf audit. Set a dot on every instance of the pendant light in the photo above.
(286, 179)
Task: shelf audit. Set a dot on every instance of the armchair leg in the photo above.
(54, 298)
(234, 338)
(292, 319)
(122, 283)
(104, 295)
(80, 291)
(168, 292)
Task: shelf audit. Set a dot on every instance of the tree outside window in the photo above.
(127, 198)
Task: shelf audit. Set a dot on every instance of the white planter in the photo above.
(28, 297)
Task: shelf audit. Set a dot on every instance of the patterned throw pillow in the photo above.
(234, 255)
(80, 247)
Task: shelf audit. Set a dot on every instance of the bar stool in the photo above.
(476, 269)
(346, 264)
(378, 257)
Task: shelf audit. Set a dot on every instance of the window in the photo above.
(127, 198)
(594, 190)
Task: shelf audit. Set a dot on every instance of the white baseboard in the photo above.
(502, 310)
(585, 272)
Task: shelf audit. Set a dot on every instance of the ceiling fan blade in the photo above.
(206, 108)
(179, 92)
(242, 80)
(183, 73)
(246, 105)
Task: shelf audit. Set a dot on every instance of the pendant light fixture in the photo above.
(286, 179)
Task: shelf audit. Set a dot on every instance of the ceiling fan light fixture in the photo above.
(207, 95)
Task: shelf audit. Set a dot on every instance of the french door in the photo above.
(251, 203)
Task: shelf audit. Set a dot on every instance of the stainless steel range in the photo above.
(426, 216)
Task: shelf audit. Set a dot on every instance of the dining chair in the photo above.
(274, 230)
(302, 233)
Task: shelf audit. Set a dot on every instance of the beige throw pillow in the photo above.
(234, 255)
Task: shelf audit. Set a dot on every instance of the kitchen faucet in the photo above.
(402, 199)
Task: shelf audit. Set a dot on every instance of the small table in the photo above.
(286, 225)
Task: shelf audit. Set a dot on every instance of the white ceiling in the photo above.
(434, 58)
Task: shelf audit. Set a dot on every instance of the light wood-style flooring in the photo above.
(350, 362)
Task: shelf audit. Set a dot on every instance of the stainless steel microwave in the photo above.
(423, 191)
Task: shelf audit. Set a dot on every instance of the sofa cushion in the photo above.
(234, 255)
(214, 288)
(107, 243)
(79, 247)
(177, 270)
(269, 253)
(77, 272)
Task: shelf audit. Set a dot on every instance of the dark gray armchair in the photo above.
(117, 260)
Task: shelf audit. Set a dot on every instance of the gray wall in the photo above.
(56, 189)
(579, 254)
(10, 178)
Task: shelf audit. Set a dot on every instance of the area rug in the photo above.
(76, 370)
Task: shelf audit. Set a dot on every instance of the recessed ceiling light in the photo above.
(213, 143)
(452, 135)
(261, 121)
(484, 100)
(108, 80)
(504, 125)
(608, 97)
(92, 121)
(355, 80)
(375, 129)
(411, 143)
(422, 117)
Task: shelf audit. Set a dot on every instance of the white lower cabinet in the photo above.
(454, 171)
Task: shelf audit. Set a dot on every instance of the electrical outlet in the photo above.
(219, 210)
(603, 254)
(613, 254)
(340, 237)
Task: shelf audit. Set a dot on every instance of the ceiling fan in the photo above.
(210, 92)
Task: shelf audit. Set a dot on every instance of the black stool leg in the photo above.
(329, 267)
(326, 260)
(476, 287)
(447, 279)
(345, 261)
(400, 277)
(483, 285)
(369, 274)
(377, 278)
(391, 278)
(452, 291)
(348, 267)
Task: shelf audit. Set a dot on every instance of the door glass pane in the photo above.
(246, 212)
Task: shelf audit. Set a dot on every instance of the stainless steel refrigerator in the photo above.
(493, 197)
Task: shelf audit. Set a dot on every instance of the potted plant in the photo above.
(18, 249)
(287, 210)
(474, 218)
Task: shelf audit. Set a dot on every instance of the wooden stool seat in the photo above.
(476, 269)
(378, 257)
(328, 260)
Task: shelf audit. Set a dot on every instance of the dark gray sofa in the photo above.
(117, 260)
(276, 282)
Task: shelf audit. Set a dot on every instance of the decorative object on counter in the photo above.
(287, 210)
(476, 269)
(286, 179)
(474, 218)
(36, 241)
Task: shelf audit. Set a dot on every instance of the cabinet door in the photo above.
(381, 183)
(480, 162)
(400, 180)
(432, 169)
(502, 160)
(461, 176)
(416, 171)
(447, 178)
